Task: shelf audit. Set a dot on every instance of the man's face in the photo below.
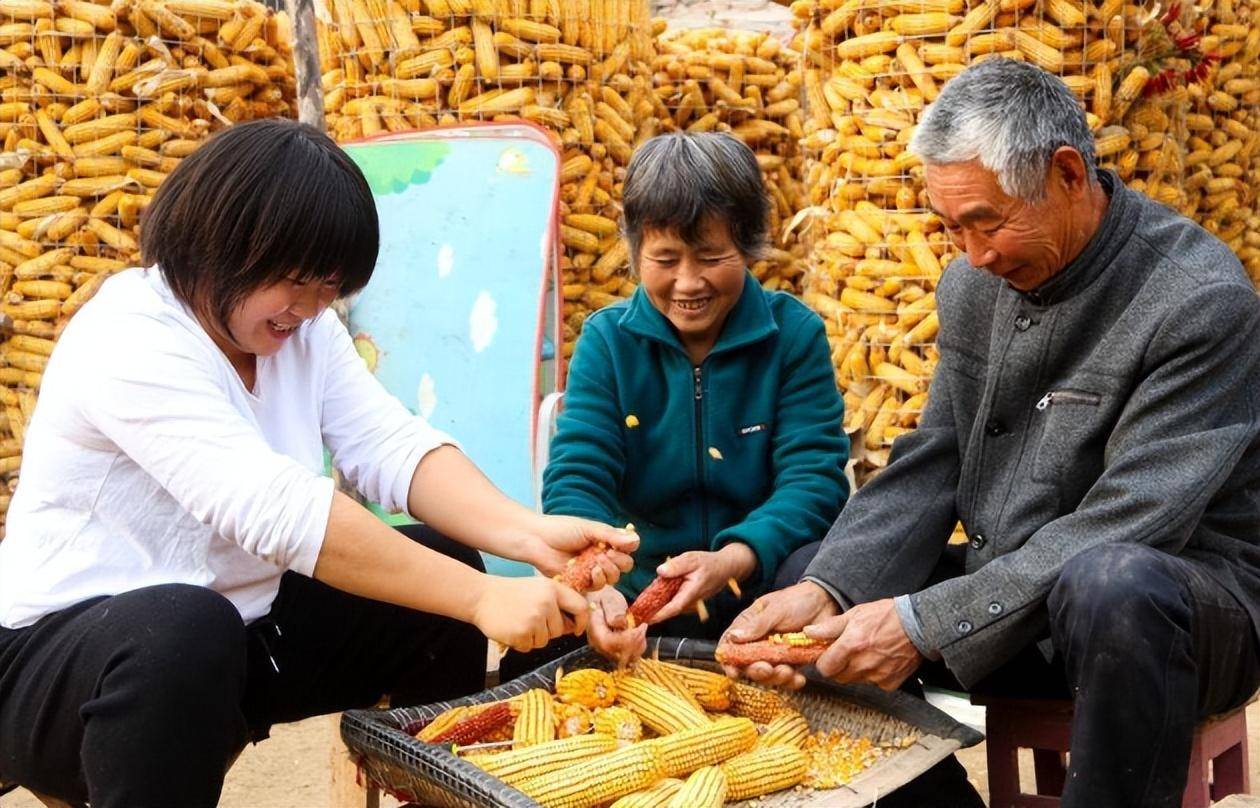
(1023, 243)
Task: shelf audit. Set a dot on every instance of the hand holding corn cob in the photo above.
(787, 610)
(691, 578)
(794, 648)
(579, 553)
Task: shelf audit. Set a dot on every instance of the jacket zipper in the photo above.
(696, 373)
(1068, 397)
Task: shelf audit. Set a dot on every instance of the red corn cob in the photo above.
(777, 649)
(476, 727)
(578, 572)
(651, 599)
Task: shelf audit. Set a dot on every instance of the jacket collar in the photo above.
(1113, 233)
(749, 321)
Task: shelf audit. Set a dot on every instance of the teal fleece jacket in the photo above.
(747, 447)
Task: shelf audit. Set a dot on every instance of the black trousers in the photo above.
(1147, 645)
(145, 698)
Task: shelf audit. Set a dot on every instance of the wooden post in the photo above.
(346, 791)
(310, 96)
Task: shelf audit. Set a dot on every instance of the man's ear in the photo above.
(1067, 169)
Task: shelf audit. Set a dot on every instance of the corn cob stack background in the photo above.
(870, 66)
(98, 102)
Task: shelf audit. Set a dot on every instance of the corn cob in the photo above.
(656, 673)
(777, 649)
(712, 690)
(536, 722)
(650, 601)
(658, 796)
(656, 707)
(685, 751)
(589, 687)
(705, 788)
(788, 728)
(757, 703)
(618, 723)
(476, 726)
(596, 780)
(522, 764)
(572, 719)
(764, 770)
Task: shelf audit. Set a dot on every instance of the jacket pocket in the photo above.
(1072, 433)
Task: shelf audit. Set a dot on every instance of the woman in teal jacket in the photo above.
(703, 409)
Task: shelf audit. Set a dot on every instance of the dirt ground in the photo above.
(292, 769)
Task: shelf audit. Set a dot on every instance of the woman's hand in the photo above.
(607, 633)
(552, 540)
(527, 613)
(704, 574)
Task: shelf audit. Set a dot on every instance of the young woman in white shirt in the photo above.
(177, 573)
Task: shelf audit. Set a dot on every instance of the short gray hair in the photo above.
(675, 181)
(1010, 116)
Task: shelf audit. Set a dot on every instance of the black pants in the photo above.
(1147, 645)
(145, 698)
(723, 609)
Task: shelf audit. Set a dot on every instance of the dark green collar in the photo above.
(750, 321)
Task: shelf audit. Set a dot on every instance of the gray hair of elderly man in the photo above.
(1009, 115)
(675, 181)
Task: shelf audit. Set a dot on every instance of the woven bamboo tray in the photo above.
(430, 775)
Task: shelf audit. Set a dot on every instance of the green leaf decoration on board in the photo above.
(391, 167)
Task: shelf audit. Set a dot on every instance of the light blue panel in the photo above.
(450, 321)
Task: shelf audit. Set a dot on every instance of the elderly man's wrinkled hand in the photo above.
(869, 644)
(786, 610)
(607, 632)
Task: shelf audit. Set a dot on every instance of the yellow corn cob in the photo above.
(976, 19)
(923, 24)
(618, 723)
(99, 128)
(859, 47)
(530, 30)
(764, 770)
(32, 249)
(685, 751)
(1038, 52)
(658, 796)
(788, 728)
(757, 703)
(80, 296)
(658, 674)
(536, 722)
(118, 239)
(26, 9)
(572, 719)
(712, 690)
(33, 310)
(45, 206)
(658, 708)
(52, 290)
(31, 189)
(596, 780)
(588, 687)
(521, 764)
(496, 102)
(565, 54)
(209, 9)
(1129, 90)
(705, 788)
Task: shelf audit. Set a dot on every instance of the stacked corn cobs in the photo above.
(659, 735)
(98, 102)
(870, 67)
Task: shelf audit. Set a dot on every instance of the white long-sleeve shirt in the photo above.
(147, 461)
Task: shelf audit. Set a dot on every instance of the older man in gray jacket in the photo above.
(1094, 422)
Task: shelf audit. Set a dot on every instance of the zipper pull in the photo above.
(699, 391)
(1045, 401)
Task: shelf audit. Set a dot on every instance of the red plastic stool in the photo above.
(1218, 758)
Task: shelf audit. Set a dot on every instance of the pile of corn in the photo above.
(579, 68)
(657, 735)
(746, 83)
(98, 102)
(871, 66)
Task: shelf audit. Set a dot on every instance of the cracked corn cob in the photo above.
(597, 780)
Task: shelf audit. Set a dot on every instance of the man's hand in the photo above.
(527, 613)
(552, 540)
(870, 645)
(786, 610)
(606, 631)
(704, 574)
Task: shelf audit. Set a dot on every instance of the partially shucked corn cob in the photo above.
(619, 723)
(757, 703)
(705, 788)
(533, 761)
(712, 690)
(684, 752)
(588, 687)
(777, 649)
(788, 728)
(651, 599)
(658, 708)
(597, 780)
(577, 573)
(657, 673)
(764, 770)
(658, 796)
(536, 721)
